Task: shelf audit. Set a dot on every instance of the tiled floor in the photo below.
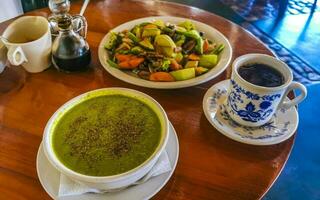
(294, 35)
(293, 31)
(300, 179)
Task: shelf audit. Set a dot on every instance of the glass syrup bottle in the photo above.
(70, 50)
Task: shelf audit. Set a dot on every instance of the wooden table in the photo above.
(210, 166)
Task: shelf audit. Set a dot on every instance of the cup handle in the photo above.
(16, 56)
(3, 56)
(286, 104)
(80, 25)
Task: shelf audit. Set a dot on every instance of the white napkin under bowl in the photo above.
(70, 187)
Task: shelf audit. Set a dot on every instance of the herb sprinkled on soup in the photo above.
(106, 135)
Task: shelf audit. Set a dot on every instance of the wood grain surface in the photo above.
(210, 165)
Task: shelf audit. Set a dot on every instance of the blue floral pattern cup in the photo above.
(253, 105)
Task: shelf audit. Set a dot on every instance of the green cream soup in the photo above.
(106, 135)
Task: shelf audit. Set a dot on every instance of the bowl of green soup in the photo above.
(106, 138)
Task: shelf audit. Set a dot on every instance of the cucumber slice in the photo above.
(184, 74)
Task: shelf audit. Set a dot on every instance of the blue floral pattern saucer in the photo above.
(281, 127)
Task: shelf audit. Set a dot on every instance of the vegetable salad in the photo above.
(157, 51)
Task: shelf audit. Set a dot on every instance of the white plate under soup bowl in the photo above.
(115, 181)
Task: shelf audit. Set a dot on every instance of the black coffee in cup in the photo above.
(261, 75)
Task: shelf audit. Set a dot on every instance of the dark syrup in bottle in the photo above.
(80, 63)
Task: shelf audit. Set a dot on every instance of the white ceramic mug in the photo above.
(254, 105)
(28, 40)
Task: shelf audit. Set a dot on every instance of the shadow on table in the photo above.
(12, 79)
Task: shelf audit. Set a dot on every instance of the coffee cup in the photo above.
(28, 41)
(253, 105)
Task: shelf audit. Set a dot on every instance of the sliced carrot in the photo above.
(128, 61)
(193, 57)
(161, 76)
(150, 26)
(174, 65)
(125, 65)
(205, 45)
(135, 62)
(122, 57)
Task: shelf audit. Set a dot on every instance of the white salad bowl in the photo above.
(115, 181)
(209, 32)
